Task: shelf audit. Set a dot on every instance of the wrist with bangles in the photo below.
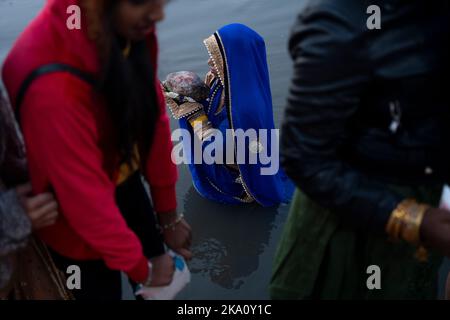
(173, 224)
(200, 125)
(405, 222)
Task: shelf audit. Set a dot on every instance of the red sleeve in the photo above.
(161, 172)
(62, 141)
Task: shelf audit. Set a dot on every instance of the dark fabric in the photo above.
(321, 257)
(36, 275)
(136, 208)
(15, 226)
(337, 145)
(15, 229)
(13, 165)
(98, 282)
(44, 70)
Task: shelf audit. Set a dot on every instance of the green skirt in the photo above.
(320, 258)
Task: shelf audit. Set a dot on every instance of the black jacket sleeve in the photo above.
(330, 73)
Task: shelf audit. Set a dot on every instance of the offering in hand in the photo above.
(184, 91)
(187, 84)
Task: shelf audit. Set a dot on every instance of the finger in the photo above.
(51, 216)
(182, 240)
(187, 237)
(39, 200)
(44, 224)
(190, 238)
(189, 230)
(45, 211)
(48, 209)
(24, 189)
(186, 254)
(187, 242)
(188, 226)
(47, 221)
(50, 222)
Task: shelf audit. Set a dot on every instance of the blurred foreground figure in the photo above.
(94, 122)
(26, 268)
(365, 139)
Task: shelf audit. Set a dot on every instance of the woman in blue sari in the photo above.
(240, 99)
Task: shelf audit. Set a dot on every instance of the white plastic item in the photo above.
(445, 200)
(181, 277)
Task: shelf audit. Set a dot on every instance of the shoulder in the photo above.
(59, 91)
(327, 23)
(346, 11)
(60, 102)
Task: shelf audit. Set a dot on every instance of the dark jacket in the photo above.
(341, 142)
(15, 227)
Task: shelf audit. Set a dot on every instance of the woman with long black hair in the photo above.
(94, 122)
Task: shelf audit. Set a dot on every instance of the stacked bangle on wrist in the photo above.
(200, 124)
(174, 223)
(405, 222)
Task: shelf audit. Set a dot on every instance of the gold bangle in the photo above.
(393, 228)
(412, 221)
(201, 125)
(405, 222)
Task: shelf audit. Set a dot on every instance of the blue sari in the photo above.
(248, 105)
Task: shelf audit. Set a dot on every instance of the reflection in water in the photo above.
(228, 240)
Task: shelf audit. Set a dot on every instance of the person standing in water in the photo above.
(240, 99)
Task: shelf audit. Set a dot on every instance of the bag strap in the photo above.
(44, 70)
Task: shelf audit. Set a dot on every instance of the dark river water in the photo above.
(233, 245)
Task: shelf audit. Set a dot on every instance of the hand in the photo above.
(41, 209)
(435, 230)
(179, 238)
(163, 270)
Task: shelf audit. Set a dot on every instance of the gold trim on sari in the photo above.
(214, 52)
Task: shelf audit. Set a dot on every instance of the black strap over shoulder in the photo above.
(44, 70)
(132, 198)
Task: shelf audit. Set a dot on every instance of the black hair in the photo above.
(128, 84)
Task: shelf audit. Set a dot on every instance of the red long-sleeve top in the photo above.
(70, 149)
